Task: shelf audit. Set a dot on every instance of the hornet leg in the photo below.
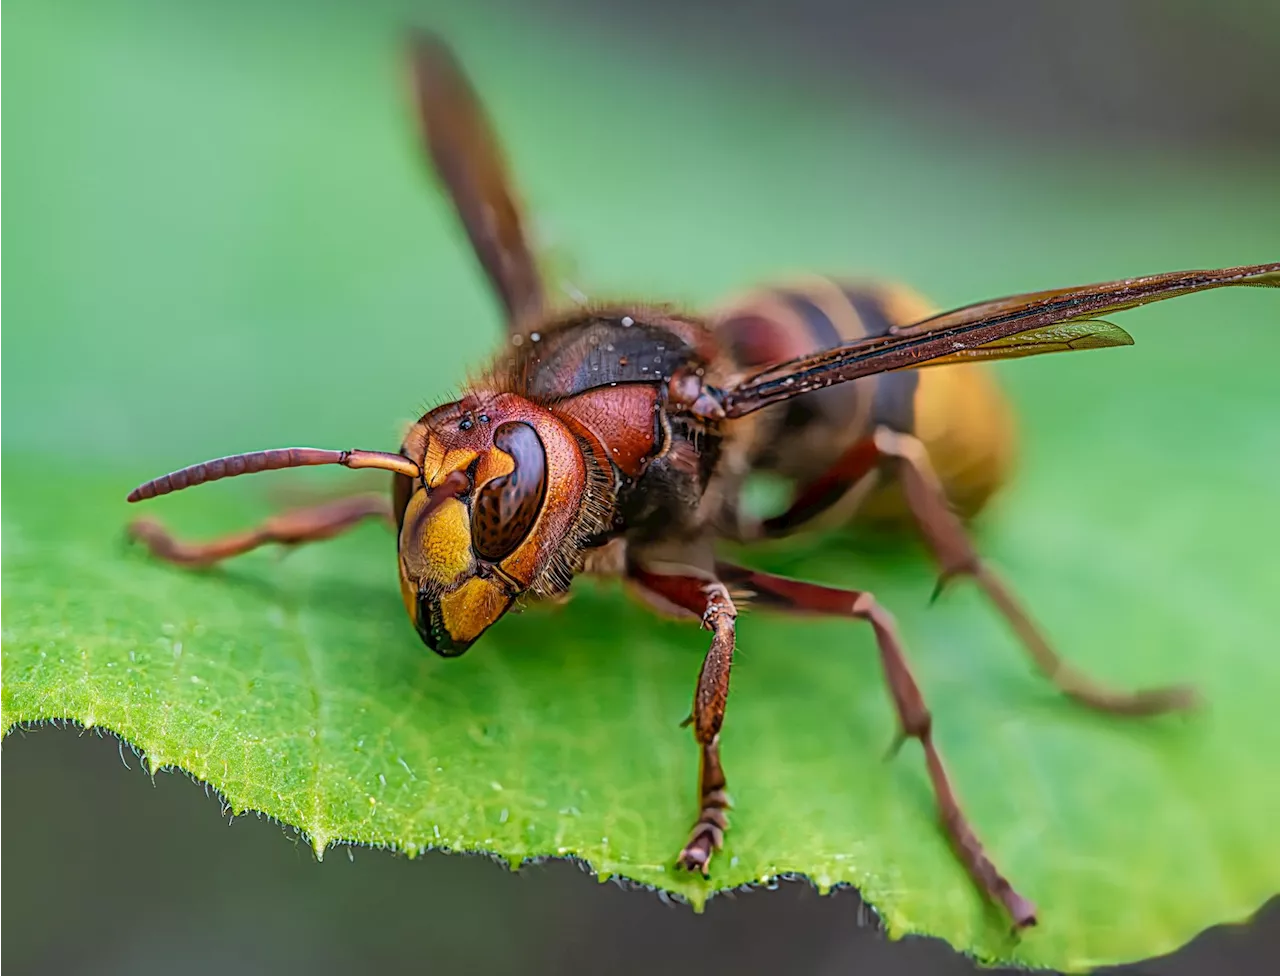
(914, 720)
(710, 601)
(945, 536)
(288, 528)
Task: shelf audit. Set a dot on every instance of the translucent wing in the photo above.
(469, 162)
(1063, 337)
(1060, 320)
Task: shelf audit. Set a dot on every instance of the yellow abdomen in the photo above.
(966, 424)
(959, 411)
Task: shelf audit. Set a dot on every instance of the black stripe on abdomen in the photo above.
(822, 330)
(802, 410)
(870, 311)
(894, 403)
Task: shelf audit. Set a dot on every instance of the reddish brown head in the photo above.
(491, 497)
(507, 529)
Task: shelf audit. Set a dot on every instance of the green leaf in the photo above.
(234, 248)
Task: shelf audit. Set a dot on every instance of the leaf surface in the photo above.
(150, 326)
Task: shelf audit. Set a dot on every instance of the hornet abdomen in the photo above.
(957, 411)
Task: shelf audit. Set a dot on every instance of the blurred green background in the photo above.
(193, 187)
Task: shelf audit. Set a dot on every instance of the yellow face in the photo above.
(464, 560)
(450, 602)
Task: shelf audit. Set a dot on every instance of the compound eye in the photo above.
(507, 506)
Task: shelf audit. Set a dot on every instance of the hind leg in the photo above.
(946, 538)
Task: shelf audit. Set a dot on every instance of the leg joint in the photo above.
(720, 611)
(867, 607)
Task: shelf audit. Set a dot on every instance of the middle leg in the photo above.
(914, 719)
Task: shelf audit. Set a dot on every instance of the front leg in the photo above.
(709, 600)
(292, 528)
